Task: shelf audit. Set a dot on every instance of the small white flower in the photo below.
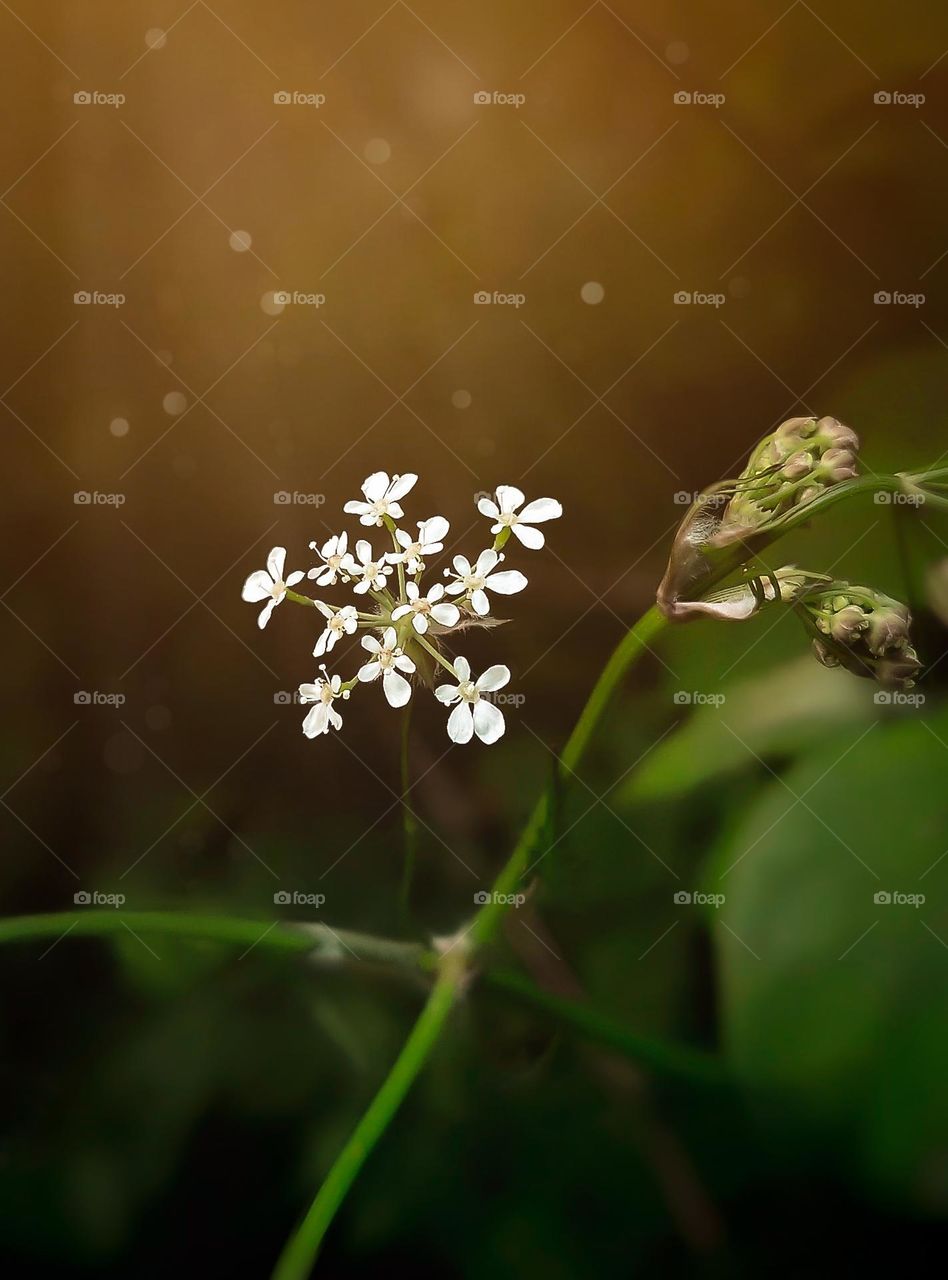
(431, 535)
(381, 497)
(504, 512)
(324, 692)
(386, 657)
(480, 578)
(268, 585)
(423, 607)
(472, 714)
(332, 554)
(339, 623)
(371, 573)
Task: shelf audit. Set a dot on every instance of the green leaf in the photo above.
(832, 1001)
(771, 715)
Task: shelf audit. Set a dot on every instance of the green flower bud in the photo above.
(862, 630)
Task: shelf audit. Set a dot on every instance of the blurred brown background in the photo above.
(792, 199)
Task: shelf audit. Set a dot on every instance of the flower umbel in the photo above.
(862, 630)
(406, 622)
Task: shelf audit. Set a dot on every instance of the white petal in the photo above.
(447, 693)
(461, 724)
(488, 508)
(401, 485)
(389, 637)
(493, 678)
(402, 538)
(361, 588)
(507, 583)
(324, 609)
(395, 511)
(404, 663)
(455, 588)
(309, 693)
(463, 669)
(420, 623)
(316, 721)
(265, 612)
(434, 529)
(321, 643)
(275, 562)
(488, 722)
(509, 498)
(462, 566)
(257, 587)
(371, 644)
(400, 612)
(375, 486)
(412, 591)
(364, 551)
(396, 688)
(335, 719)
(446, 614)
(529, 535)
(541, 509)
(296, 576)
(486, 561)
(480, 603)
(369, 672)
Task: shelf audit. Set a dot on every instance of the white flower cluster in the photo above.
(408, 623)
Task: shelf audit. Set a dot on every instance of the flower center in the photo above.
(386, 658)
(468, 692)
(277, 589)
(325, 693)
(473, 582)
(507, 518)
(421, 605)
(371, 570)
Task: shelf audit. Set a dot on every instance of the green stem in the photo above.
(300, 1253)
(297, 1258)
(409, 826)
(439, 657)
(304, 936)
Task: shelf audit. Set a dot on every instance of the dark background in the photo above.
(170, 1100)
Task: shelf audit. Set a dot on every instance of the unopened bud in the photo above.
(862, 630)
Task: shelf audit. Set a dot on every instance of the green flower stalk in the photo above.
(863, 630)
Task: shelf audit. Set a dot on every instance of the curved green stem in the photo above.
(297, 1258)
(300, 1253)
